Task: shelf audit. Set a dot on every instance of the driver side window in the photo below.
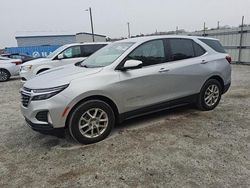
(150, 53)
(72, 52)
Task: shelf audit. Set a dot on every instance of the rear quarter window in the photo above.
(198, 50)
(214, 44)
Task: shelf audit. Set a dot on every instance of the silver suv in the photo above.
(126, 79)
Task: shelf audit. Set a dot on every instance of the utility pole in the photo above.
(176, 31)
(241, 39)
(204, 29)
(218, 25)
(91, 21)
(128, 30)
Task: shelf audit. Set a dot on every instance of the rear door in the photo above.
(71, 55)
(182, 72)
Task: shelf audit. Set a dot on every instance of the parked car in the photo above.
(126, 79)
(64, 55)
(23, 57)
(9, 67)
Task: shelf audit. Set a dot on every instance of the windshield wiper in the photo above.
(89, 66)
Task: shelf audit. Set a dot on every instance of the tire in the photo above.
(95, 128)
(210, 95)
(4, 75)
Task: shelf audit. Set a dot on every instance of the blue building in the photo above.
(56, 39)
(41, 45)
(35, 51)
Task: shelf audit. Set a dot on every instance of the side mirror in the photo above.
(131, 64)
(60, 56)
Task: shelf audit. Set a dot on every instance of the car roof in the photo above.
(148, 38)
(85, 43)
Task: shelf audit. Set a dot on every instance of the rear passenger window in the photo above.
(72, 52)
(199, 51)
(181, 49)
(214, 44)
(150, 53)
(90, 49)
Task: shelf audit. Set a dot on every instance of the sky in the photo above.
(110, 17)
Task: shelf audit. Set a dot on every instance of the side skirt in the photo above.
(158, 107)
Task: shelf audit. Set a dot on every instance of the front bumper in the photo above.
(39, 127)
(54, 107)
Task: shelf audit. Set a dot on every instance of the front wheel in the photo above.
(91, 122)
(4, 75)
(210, 95)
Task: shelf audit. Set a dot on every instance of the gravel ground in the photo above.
(183, 147)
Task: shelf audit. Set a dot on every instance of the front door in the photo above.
(144, 86)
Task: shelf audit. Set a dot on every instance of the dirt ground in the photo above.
(183, 147)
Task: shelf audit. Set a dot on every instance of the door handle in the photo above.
(162, 70)
(204, 62)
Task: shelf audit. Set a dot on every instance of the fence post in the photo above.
(241, 39)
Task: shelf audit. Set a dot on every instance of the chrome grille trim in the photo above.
(25, 96)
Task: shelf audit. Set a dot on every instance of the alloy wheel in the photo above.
(3, 75)
(211, 95)
(93, 123)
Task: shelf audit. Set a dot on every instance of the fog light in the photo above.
(49, 119)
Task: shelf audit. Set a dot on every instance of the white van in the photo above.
(67, 54)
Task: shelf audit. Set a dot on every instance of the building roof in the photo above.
(39, 35)
(90, 34)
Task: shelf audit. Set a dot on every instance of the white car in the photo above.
(8, 68)
(67, 54)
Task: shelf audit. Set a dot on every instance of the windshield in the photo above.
(106, 55)
(58, 50)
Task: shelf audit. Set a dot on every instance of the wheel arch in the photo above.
(105, 99)
(219, 79)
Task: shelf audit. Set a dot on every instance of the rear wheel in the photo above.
(4, 75)
(210, 95)
(91, 122)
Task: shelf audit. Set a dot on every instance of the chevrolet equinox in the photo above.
(126, 79)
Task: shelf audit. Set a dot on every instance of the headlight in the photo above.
(42, 94)
(26, 68)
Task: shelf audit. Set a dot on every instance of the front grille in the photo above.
(25, 98)
(42, 116)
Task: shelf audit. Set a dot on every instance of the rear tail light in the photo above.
(17, 62)
(229, 59)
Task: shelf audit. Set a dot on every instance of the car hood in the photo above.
(59, 76)
(36, 61)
